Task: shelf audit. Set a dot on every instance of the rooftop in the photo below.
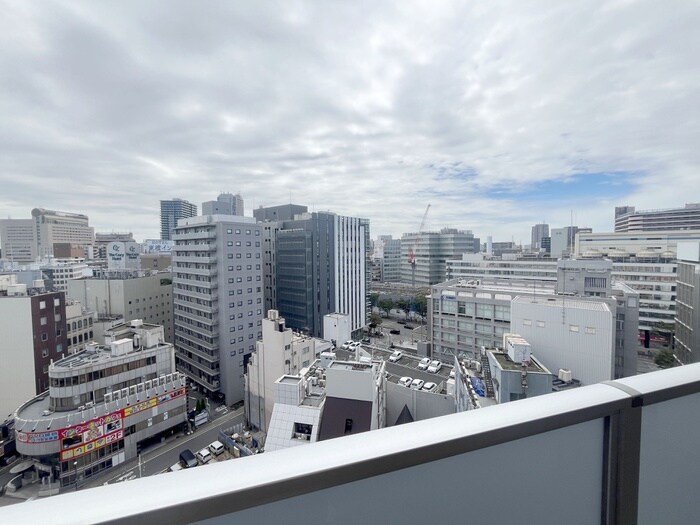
(564, 301)
(506, 364)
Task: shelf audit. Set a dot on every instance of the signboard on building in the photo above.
(157, 246)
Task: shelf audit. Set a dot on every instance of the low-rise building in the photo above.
(79, 325)
(101, 403)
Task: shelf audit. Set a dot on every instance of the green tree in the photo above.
(403, 304)
(665, 358)
(374, 299)
(421, 303)
(386, 305)
(374, 321)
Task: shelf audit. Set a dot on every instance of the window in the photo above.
(540, 324)
(43, 321)
(44, 337)
(229, 231)
(527, 322)
(42, 305)
(57, 302)
(59, 348)
(348, 426)
(590, 330)
(573, 328)
(229, 243)
(44, 352)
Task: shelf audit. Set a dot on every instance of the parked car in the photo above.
(346, 345)
(424, 363)
(430, 387)
(417, 384)
(409, 327)
(405, 381)
(395, 331)
(187, 458)
(204, 456)
(366, 341)
(452, 373)
(434, 367)
(216, 448)
(401, 322)
(398, 354)
(354, 345)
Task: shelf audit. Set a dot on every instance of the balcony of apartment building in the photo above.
(195, 235)
(623, 451)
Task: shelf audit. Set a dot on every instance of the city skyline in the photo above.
(499, 118)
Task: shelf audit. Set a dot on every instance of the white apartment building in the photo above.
(280, 352)
(62, 271)
(628, 219)
(218, 301)
(79, 326)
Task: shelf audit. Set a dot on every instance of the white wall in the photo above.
(17, 379)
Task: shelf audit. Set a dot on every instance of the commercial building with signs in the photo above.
(628, 219)
(129, 294)
(218, 300)
(33, 328)
(101, 403)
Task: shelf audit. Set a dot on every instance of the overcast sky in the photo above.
(498, 114)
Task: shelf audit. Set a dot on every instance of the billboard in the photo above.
(123, 255)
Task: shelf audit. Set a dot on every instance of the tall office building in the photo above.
(225, 204)
(431, 250)
(539, 232)
(391, 258)
(323, 268)
(273, 218)
(687, 319)
(170, 212)
(628, 219)
(18, 240)
(218, 300)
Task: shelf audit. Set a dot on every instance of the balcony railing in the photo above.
(617, 452)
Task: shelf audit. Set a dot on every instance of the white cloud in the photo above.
(365, 109)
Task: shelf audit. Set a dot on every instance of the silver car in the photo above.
(417, 384)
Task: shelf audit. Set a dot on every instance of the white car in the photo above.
(398, 354)
(355, 344)
(452, 373)
(405, 381)
(346, 345)
(430, 387)
(423, 365)
(417, 384)
(434, 367)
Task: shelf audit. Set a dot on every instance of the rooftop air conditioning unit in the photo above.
(565, 375)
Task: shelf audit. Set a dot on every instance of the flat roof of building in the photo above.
(564, 301)
(506, 363)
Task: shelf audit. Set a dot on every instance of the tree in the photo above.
(421, 303)
(374, 320)
(386, 305)
(403, 304)
(665, 358)
(373, 299)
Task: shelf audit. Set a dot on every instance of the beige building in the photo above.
(17, 240)
(60, 227)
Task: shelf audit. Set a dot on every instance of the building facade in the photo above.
(61, 227)
(129, 295)
(323, 267)
(218, 301)
(539, 232)
(33, 328)
(101, 403)
(628, 219)
(391, 259)
(18, 240)
(225, 204)
(172, 211)
(430, 251)
(687, 320)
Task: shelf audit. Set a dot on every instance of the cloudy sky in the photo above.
(499, 114)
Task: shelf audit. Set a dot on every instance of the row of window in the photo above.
(238, 232)
(101, 374)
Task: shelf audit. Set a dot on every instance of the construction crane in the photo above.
(413, 247)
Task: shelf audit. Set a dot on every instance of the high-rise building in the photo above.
(225, 204)
(391, 255)
(33, 328)
(129, 295)
(273, 217)
(172, 211)
(563, 240)
(628, 219)
(431, 250)
(539, 232)
(218, 300)
(687, 319)
(18, 240)
(323, 268)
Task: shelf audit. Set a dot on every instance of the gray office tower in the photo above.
(539, 232)
(170, 212)
(322, 267)
(225, 204)
(218, 300)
